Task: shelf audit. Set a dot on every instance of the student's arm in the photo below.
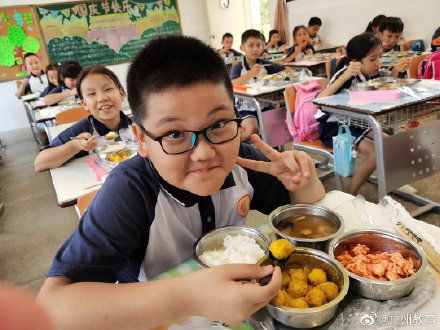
(21, 87)
(354, 68)
(294, 169)
(57, 156)
(53, 98)
(291, 57)
(253, 72)
(215, 293)
(401, 66)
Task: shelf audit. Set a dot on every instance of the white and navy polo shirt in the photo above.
(301, 54)
(246, 108)
(139, 226)
(36, 84)
(94, 127)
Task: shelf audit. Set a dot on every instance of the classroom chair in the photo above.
(72, 115)
(414, 65)
(84, 201)
(330, 67)
(314, 147)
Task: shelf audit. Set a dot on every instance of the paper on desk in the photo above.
(100, 173)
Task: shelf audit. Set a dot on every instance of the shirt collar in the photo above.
(33, 75)
(103, 130)
(246, 66)
(184, 197)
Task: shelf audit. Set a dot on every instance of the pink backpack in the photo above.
(305, 126)
(429, 68)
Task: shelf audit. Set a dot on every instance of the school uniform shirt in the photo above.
(93, 126)
(301, 54)
(232, 53)
(139, 226)
(247, 108)
(316, 38)
(47, 90)
(36, 84)
(396, 48)
(328, 123)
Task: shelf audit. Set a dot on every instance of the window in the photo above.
(260, 16)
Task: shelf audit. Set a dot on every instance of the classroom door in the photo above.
(234, 19)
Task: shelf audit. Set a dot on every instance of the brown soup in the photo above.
(307, 226)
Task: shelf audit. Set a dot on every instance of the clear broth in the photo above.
(307, 226)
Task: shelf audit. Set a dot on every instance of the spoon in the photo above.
(279, 252)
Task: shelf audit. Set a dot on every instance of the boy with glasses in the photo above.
(186, 180)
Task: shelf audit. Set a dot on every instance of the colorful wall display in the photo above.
(103, 32)
(18, 35)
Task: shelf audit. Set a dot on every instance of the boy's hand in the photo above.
(86, 141)
(22, 83)
(73, 92)
(354, 68)
(403, 64)
(221, 295)
(255, 70)
(222, 51)
(290, 167)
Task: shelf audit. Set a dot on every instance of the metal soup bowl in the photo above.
(380, 240)
(213, 240)
(287, 211)
(313, 316)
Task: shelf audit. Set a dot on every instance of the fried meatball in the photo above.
(281, 298)
(297, 274)
(298, 288)
(315, 298)
(307, 270)
(298, 302)
(285, 279)
(317, 276)
(330, 290)
(281, 248)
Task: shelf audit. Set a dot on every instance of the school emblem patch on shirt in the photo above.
(243, 205)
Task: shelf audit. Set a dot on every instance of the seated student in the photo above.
(313, 29)
(363, 57)
(52, 77)
(252, 44)
(301, 45)
(374, 25)
(390, 33)
(186, 180)
(226, 50)
(435, 43)
(274, 40)
(36, 81)
(101, 94)
(66, 91)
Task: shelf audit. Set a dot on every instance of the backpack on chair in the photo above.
(305, 126)
(429, 68)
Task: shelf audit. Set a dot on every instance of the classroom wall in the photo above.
(194, 22)
(343, 19)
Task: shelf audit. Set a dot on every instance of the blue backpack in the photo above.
(343, 145)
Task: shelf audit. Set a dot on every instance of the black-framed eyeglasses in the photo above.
(178, 142)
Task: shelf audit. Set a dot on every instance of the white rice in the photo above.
(239, 249)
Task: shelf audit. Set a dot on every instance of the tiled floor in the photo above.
(33, 227)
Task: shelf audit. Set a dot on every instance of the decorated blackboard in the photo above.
(18, 35)
(102, 32)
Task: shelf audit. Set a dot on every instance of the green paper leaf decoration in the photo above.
(16, 35)
(31, 45)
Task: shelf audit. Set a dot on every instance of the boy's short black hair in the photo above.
(227, 35)
(251, 33)
(172, 62)
(315, 21)
(272, 32)
(96, 69)
(29, 55)
(392, 24)
(68, 69)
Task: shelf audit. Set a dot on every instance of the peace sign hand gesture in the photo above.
(295, 169)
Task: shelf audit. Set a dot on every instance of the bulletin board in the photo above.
(104, 32)
(18, 35)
